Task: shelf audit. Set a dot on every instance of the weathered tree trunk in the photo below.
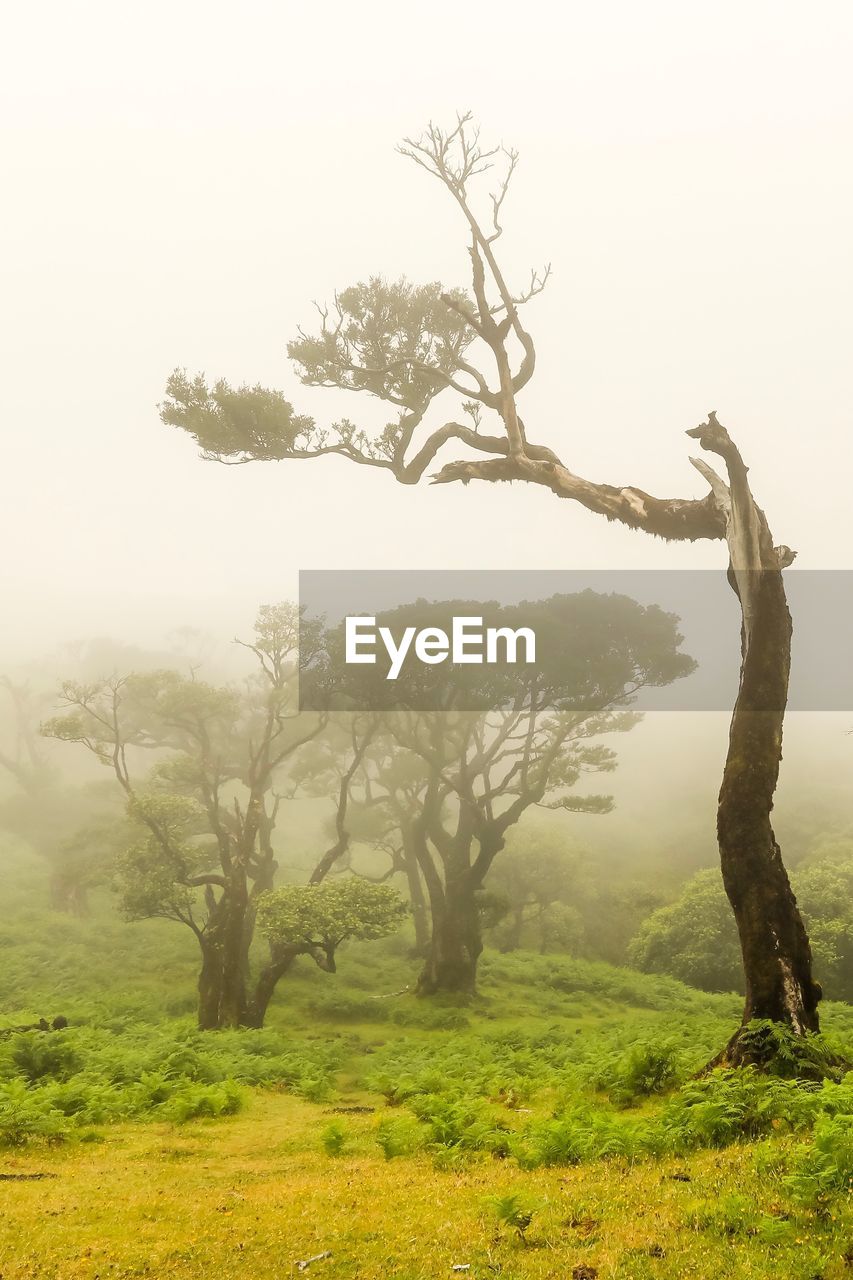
(222, 980)
(232, 1009)
(776, 953)
(210, 986)
(456, 942)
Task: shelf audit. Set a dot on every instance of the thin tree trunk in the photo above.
(417, 898)
(277, 966)
(776, 953)
(512, 941)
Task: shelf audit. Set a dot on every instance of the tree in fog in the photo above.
(443, 787)
(539, 875)
(694, 938)
(73, 828)
(412, 347)
(205, 814)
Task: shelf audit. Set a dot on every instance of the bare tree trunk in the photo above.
(776, 953)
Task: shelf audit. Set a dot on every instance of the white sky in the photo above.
(182, 179)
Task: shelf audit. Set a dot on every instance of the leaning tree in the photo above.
(409, 346)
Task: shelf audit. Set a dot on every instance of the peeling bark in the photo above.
(673, 518)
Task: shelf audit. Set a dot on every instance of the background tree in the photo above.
(531, 744)
(694, 937)
(70, 826)
(207, 810)
(379, 340)
(539, 875)
(316, 919)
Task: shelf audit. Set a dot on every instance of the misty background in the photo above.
(182, 182)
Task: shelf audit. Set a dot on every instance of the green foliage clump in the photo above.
(462, 1123)
(55, 1083)
(694, 938)
(398, 1136)
(325, 915)
(649, 1067)
(26, 1118)
(37, 1056)
(823, 1171)
(334, 1138)
(510, 1211)
(343, 1006)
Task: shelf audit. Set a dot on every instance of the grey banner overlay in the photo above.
(821, 603)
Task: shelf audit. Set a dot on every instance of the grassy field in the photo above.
(551, 1129)
(253, 1196)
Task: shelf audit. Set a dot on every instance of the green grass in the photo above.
(253, 1195)
(553, 1124)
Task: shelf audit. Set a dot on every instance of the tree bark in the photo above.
(417, 899)
(222, 980)
(455, 945)
(209, 986)
(776, 952)
(775, 947)
(277, 966)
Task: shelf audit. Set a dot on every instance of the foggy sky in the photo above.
(183, 179)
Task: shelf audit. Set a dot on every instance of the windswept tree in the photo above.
(206, 812)
(412, 347)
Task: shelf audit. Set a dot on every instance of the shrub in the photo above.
(398, 1137)
(36, 1055)
(26, 1117)
(334, 1138)
(824, 1169)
